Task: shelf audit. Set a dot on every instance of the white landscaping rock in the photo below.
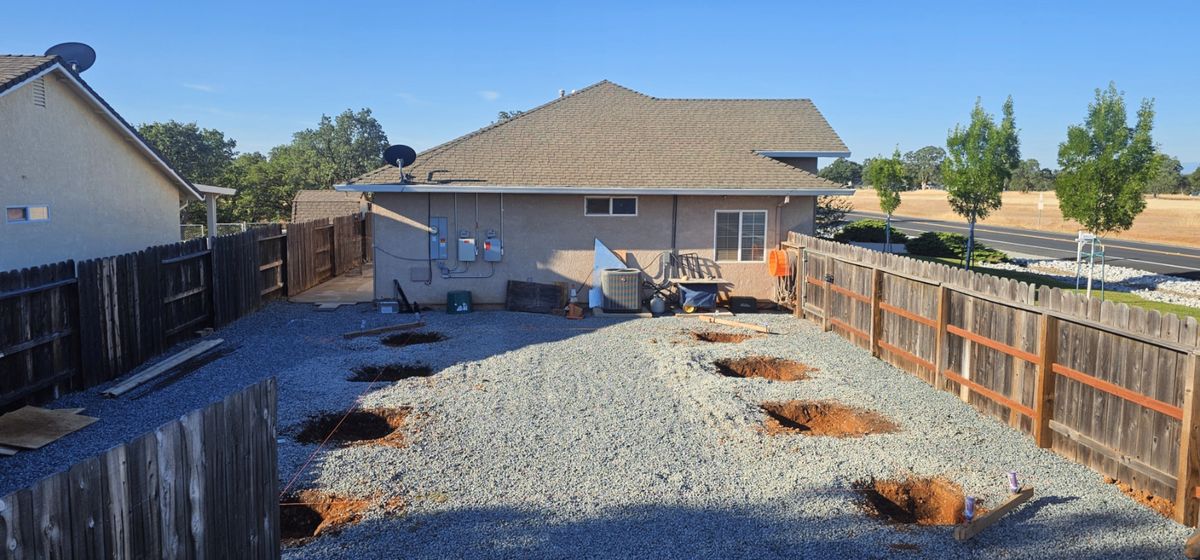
(1156, 287)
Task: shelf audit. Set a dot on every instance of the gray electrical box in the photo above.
(466, 247)
(493, 249)
(440, 227)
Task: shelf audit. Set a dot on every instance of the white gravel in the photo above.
(546, 438)
(1156, 287)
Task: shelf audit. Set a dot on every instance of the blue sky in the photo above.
(883, 73)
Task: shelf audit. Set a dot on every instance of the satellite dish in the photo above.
(78, 56)
(400, 155)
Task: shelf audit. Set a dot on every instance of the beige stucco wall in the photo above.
(547, 238)
(105, 198)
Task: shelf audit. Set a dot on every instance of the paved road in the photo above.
(1155, 257)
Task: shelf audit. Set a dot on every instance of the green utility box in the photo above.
(458, 302)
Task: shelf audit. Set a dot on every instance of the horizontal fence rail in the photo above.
(68, 326)
(1107, 385)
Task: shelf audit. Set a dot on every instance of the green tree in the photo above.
(506, 115)
(1166, 176)
(201, 155)
(980, 159)
(1193, 181)
(888, 177)
(1031, 176)
(843, 172)
(924, 166)
(1105, 165)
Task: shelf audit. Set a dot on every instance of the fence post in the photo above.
(943, 319)
(1189, 444)
(799, 285)
(1044, 405)
(876, 313)
(828, 295)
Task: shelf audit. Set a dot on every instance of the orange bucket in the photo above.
(777, 263)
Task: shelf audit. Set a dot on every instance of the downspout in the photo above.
(429, 245)
(674, 224)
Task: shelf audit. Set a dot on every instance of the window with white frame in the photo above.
(610, 206)
(741, 235)
(22, 214)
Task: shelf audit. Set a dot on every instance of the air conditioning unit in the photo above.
(622, 290)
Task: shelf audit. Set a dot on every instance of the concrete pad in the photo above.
(356, 286)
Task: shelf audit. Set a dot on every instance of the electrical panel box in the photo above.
(438, 234)
(466, 247)
(493, 249)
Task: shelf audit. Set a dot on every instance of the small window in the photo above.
(741, 235)
(21, 214)
(610, 206)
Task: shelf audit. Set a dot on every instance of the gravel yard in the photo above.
(534, 436)
(1156, 287)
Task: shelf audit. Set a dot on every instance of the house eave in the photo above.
(631, 191)
(802, 154)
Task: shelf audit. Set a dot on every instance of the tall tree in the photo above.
(505, 115)
(924, 166)
(888, 178)
(1105, 165)
(830, 212)
(980, 159)
(843, 172)
(1031, 176)
(201, 155)
(339, 149)
(1166, 176)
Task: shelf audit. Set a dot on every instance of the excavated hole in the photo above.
(823, 418)
(713, 336)
(309, 514)
(410, 338)
(391, 372)
(775, 369)
(376, 426)
(914, 501)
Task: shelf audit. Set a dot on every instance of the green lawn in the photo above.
(1040, 280)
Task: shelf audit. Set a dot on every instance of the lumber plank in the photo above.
(732, 323)
(968, 531)
(384, 329)
(162, 367)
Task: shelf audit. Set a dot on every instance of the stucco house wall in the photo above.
(104, 197)
(547, 238)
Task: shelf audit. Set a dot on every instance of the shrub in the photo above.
(952, 245)
(867, 231)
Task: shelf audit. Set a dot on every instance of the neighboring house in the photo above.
(723, 179)
(76, 180)
(313, 205)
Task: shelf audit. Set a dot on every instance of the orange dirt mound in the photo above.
(915, 501)
(775, 369)
(823, 418)
(1164, 506)
(309, 514)
(379, 426)
(720, 337)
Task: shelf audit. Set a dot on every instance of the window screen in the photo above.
(727, 235)
(597, 207)
(624, 206)
(610, 206)
(741, 236)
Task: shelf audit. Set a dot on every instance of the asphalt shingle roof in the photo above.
(607, 135)
(16, 68)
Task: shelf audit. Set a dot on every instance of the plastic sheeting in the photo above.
(604, 259)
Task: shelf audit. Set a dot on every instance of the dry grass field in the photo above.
(1171, 219)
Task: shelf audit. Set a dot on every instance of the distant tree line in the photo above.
(338, 149)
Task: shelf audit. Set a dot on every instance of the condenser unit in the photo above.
(622, 290)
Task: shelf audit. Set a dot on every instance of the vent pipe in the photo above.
(562, 93)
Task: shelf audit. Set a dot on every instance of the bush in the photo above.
(952, 245)
(867, 231)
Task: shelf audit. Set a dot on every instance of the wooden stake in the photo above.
(162, 367)
(968, 531)
(389, 328)
(1189, 445)
(1044, 404)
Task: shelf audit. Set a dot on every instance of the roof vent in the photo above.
(562, 93)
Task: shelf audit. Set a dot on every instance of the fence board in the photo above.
(1099, 383)
(38, 332)
(151, 498)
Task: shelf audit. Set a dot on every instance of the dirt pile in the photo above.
(719, 337)
(914, 501)
(310, 514)
(823, 418)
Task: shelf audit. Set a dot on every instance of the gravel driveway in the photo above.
(539, 437)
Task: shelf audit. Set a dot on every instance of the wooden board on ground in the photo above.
(969, 530)
(162, 367)
(7, 451)
(732, 323)
(388, 328)
(532, 297)
(32, 427)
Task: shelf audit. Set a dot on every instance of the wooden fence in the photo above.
(75, 325)
(202, 486)
(1106, 385)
